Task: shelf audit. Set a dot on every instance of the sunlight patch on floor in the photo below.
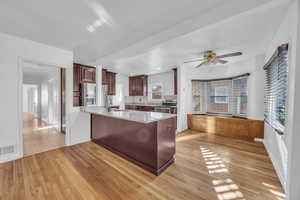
(226, 189)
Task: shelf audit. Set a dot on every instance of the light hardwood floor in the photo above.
(207, 167)
(38, 136)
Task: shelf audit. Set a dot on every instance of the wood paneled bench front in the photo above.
(227, 126)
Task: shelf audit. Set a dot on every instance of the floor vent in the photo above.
(7, 150)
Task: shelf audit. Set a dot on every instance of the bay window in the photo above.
(224, 96)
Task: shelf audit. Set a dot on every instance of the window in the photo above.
(239, 96)
(156, 91)
(218, 94)
(227, 96)
(221, 95)
(276, 84)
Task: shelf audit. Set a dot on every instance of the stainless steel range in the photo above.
(167, 107)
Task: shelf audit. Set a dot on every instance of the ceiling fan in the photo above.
(211, 57)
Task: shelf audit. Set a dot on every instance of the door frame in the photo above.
(21, 61)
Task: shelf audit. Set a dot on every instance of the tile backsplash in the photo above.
(145, 99)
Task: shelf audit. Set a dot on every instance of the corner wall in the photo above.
(13, 50)
(276, 145)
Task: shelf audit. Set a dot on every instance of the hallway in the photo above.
(38, 136)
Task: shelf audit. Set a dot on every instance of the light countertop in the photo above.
(130, 115)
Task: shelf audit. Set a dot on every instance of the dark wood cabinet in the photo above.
(111, 83)
(104, 81)
(87, 74)
(175, 81)
(138, 85)
(174, 110)
(140, 108)
(76, 78)
(81, 74)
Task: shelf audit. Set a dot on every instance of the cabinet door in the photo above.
(145, 86)
(134, 86)
(76, 101)
(175, 81)
(104, 81)
(108, 82)
(88, 75)
(76, 81)
(130, 86)
(111, 83)
(113, 89)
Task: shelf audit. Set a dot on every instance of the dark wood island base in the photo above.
(148, 145)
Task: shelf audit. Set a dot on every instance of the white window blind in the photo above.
(239, 96)
(225, 96)
(276, 84)
(218, 93)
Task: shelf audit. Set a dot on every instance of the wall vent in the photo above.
(7, 150)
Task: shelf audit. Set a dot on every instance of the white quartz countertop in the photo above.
(130, 115)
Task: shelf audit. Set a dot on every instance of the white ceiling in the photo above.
(137, 34)
(250, 33)
(63, 23)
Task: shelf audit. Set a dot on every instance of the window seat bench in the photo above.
(226, 126)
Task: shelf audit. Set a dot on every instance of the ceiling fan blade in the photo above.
(222, 61)
(203, 63)
(196, 60)
(230, 55)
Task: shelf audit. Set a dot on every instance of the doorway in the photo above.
(43, 108)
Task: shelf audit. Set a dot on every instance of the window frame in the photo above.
(215, 97)
(151, 91)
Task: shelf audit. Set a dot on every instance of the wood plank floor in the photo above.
(207, 167)
(38, 136)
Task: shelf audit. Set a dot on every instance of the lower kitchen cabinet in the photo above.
(140, 108)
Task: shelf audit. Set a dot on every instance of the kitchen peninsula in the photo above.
(144, 138)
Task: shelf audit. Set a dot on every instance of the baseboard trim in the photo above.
(276, 166)
(9, 158)
(79, 142)
(258, 140)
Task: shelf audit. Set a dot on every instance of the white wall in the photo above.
(293, 136)
(276, 145)
(12, 51)
(122, 90)
(182, 97)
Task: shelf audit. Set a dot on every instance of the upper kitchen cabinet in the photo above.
(111, 83)
(175, 81)
(81, 74)
(76, 78)
(104, 81)
(138, 85)
(88, 74)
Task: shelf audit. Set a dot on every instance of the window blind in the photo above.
(239, 96)
(218, 93)
(276, 84)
